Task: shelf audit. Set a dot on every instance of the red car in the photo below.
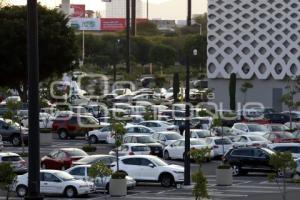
(281, 137)
(62, 159)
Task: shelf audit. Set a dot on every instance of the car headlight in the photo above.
(178, 172)
(83, 186)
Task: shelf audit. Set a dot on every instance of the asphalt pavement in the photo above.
(250, 187)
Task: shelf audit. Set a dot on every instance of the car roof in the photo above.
(138, 156)
(135, 144)
(3, 154)
(167, 132)
(284, 144)
(136, 135)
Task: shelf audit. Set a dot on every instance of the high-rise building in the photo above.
(259, 41)
(117, 9)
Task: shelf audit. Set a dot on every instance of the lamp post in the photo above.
(133, 17)
(116, 51)
(128, 36)
(33, 107)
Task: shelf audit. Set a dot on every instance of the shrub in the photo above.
(118, 175)
(89, 148)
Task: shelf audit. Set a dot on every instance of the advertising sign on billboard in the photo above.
(77, 10)
(87, 24)
(113, 24)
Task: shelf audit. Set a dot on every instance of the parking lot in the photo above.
(252, 186)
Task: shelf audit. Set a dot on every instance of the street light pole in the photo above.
(147, 9)
(133, 17)
(189, 13)
(33, 108)
(128, 36)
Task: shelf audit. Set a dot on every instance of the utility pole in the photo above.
(187, 160)
(128, 36)
(147, 10)
(133, 17)
(33, 108)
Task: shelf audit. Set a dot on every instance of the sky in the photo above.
(164, 9)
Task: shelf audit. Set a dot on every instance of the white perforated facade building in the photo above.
(256, 39)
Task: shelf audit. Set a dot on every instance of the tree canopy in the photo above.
(163, 55)
(57, 46)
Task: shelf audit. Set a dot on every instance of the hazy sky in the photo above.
(165, 9)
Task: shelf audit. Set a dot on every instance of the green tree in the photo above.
(163, 55)
(232, 90)
(293, 89)
(202, 20)
(141, 47)
(200, 188)
(283, 164)
(99, 170)
(57, 46)
(147, 28)
(176, 86)
(7, 178)
(244, 89)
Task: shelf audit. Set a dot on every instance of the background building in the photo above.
(259, 41)
(117, 9)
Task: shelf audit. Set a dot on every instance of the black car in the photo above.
(155, 147)
(248, 159)
(277, 118)
(12, 132)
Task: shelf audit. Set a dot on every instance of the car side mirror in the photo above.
(151, 165)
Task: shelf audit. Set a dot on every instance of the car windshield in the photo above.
(203, 134)
(89, 159)
(76, 152)
(286, 135)
(166, 123)
(256, 127)
(257, 138)
(279, 128)
(222, 141)
(89, 120)
(64, 176)
(145, 139)
(173, 136)
(197, 142)
(140, 148)
(159, 162)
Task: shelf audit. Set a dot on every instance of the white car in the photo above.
(55, 182)
(159, 126)
(250, 140)
(249, 128)
(151, 168)
(294, 148)
(132, 149)
(81, 172)
(46, 120)
(166, 137)
(217, 143)
(16, 161)
(176, 149)
(298, 166)
(200, 133)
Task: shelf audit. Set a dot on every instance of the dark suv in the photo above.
(12, 132)
(248, 159)
(73, 126)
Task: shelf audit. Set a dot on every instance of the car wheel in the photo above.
(166, 180)
(21, 191)
(235, 170)
(166, 155)
(16, 140)
(70, 192)
(63, 134)
(93, 139)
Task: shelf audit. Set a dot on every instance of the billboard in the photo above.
(87, 24)
(77, 10)
(113, 24)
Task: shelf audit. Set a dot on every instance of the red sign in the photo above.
(77, 10)
(113, 24)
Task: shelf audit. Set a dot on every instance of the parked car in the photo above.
(91, 159)
(81, 172)
(12, 132)
(217, 143)
(1, 144)
(295, 115)
(62, 159)
(55, 182)
(132, 149)
(222, 131)
(17, 162)
(156, 148)
(277, 118)
(294, 148)
(249, 128)
(200, 133)
(166, 137)
(277, 127)
(248, 159)
(176, 149)
(298, 166)
(151, 168)
(74, 126)
(281, 137)
(250, 140)
(45, 119)
(159, 126)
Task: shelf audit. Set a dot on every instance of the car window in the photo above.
(145, 162)
(11, 158)
(287, 148)
(61, 155)
(177, 143)
(258, 153)
(130, 130)
(53, 154)
(140, 148)
(242, 152)
(222, 141)
(162, 137)
(106, 128)
(243, 139)
(127, 139)
(124, 148)
(155, 136)
(50, 178)
(79, 171)
(131, 161)
(73, 120)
